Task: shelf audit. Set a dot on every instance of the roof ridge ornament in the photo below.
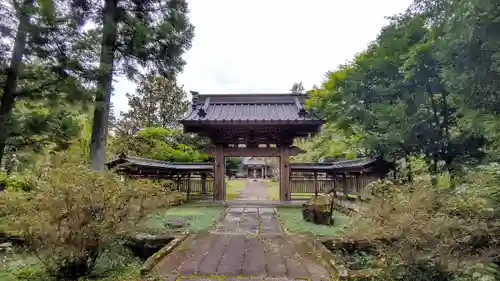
(202, 111)
(302, 112)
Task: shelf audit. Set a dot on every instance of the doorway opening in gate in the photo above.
(253, 178)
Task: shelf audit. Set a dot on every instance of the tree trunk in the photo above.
(9, 90)
(446, 124)
(103, 96)
(436, 154)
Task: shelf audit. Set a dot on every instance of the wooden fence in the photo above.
(303, 186)
(193, 187)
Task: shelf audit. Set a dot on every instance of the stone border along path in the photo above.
(248, 244)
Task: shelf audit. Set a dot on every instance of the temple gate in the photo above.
(252, 125)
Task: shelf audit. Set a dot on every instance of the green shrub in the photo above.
(74, 213)
(17, 181)
(417, 229)
(380, 188)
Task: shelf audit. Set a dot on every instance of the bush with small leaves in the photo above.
(420, 238)
(380, 188)
(74, 213)
(17, 181)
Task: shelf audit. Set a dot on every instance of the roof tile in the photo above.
(237, 108)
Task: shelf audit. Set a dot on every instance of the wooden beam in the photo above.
(284, 174)
(253, 151)
(315, 184)
(219, 174)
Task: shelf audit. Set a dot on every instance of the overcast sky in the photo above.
(263, 46)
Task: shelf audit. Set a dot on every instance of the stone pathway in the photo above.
(248, 244)
(249, 220)
(254, 190)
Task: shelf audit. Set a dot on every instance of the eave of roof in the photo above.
(336, 166)
(273, 109)
(140, 162)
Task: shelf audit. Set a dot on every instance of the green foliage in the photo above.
(157, 143)
(357, 260)
(330, 142)
(428, 232)
(37, 126)
(148, 34)
(74, 214)
(381, 188)
(418, 89)
(50, 75)
(17, 181)
(233, 163)
(198, 219)
(116, 263)
(159, 102)
(292, 220)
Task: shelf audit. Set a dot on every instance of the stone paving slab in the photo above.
(247, 221)
(249, 242)
(202, 278)
(233, 255)
(211, 261)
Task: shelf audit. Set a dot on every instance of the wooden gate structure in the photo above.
(258, 125)
(255, 125)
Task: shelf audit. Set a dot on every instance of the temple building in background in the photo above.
(258, 168)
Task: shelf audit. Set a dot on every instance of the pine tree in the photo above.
(150, 33)
(297, 88)
(37, 65)
(159, 102)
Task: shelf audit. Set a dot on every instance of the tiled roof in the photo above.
(337, 164)
(126, 160)
(359, 162)
(252, 161)
(237, 108)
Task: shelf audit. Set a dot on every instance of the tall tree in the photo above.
(151, 33)
(159, 102)
(425, 86)
(297, 88)
(37, 37)
(7, 100)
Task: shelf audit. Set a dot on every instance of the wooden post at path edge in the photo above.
(219, 173)
(285, 195)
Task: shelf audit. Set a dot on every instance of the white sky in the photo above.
(264, 46)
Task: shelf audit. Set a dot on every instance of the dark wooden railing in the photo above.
(304, 186)
(193, 187)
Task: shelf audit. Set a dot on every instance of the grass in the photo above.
(114, 264)
(273, 189)
(198, 219)
(234, 188)
(292, 220)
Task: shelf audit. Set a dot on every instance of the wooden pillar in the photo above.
(204, 183)
(188, 186)
(178, 183)
(285, 195)
(345, 184)
(315, 184)
(219, 174)
(358, 187)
